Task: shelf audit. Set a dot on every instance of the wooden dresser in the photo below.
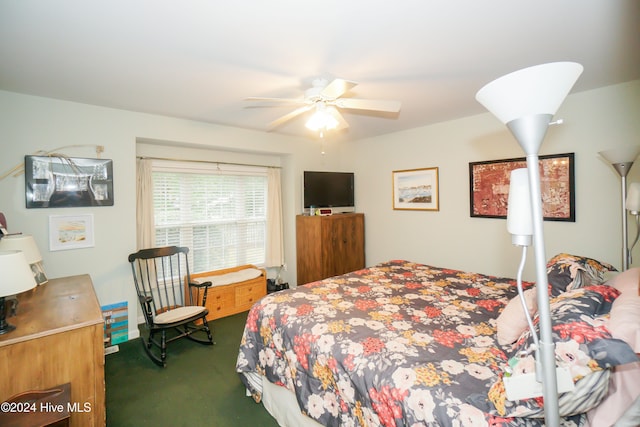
(58, 339)
(327, 246)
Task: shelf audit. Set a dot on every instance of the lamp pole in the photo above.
(529, 131)
(623, 170)
(626, 254)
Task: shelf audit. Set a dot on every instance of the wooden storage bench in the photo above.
(233, 290)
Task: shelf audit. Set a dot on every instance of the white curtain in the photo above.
(145, 224)
(274, 256)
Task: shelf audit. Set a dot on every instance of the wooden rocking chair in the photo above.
(167, 303)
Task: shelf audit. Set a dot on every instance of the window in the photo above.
(218, 211)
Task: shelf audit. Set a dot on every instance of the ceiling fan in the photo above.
(325, 98)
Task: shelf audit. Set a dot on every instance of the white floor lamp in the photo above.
(526, 101)
(622, 159)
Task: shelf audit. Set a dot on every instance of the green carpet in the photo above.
(199, 386)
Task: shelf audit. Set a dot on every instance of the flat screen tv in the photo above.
(333, 190)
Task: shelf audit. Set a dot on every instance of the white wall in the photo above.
(29, 124)
(594, 121)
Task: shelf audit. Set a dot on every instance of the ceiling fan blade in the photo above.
(337, 88)
(342, 123)
(369, 104)
(287, 100)
(289, 116)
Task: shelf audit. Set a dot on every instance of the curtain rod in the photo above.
(206, 161)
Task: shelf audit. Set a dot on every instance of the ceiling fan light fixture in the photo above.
(327, 98)
(321, 120)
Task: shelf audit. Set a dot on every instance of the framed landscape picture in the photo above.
(489, 186)
(416, 189)
(70, 232)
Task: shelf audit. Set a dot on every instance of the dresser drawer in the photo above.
(225, 300)
(220, 300)
(247, 295)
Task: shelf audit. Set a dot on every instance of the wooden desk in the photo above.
(58, 339)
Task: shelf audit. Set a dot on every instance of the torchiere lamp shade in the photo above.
(540, 89)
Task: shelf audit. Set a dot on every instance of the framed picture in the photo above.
(489, 187)
(70, 232)
(38, 273)
(416, 189)
(63, 182)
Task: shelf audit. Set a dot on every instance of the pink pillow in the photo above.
(512, 322)
(626, 282)
(624, 388)
(624, 320)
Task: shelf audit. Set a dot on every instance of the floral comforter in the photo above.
(398, 344)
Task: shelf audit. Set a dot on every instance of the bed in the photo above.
(407, 344)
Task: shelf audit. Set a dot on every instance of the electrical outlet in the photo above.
(284, 266)
(525, 386)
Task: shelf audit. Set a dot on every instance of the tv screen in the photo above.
(329, 190)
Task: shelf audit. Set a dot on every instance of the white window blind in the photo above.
(218, 211)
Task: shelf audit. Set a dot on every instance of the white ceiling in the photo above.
(200, 59)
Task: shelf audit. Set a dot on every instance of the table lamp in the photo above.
(16, 277)
(26, 244)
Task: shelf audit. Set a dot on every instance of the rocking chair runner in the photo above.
(167, 301)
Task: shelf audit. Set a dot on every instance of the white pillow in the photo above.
(512, 321)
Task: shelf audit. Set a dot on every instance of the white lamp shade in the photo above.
(16, 275)
(24, 243)
(535, 90)
(322, 119)
(633, 197)
(519, 218)
(621, 155)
